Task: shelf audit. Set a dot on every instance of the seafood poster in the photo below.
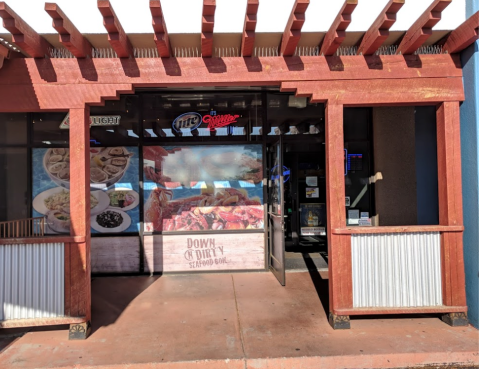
(195, 188)
(114, 189)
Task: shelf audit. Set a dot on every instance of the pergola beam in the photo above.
(292, 33)
(4, 54)
(22, 34)
(337, 32)
(463, 36)
(161, 38)
(379, 30)
(207, 25)
(69, 35)
(116, 35)
(421, 30)
(248, 37)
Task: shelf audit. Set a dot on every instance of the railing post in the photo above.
(450, 209)
(339, 246)
(80, 298)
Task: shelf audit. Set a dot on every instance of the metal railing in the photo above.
(23, 228)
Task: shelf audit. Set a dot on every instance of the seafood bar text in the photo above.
(204, 252)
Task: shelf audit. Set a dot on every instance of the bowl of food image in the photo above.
(58, 198)
(58, 221)
(107, 165)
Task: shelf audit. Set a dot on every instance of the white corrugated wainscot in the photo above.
(32, 281)
(396, 270)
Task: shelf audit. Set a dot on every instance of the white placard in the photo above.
(312, 181)
(353, 217)
(313, 231)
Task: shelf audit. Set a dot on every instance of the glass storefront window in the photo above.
(200, 188)
(126, 132)
(13, 129)
(14, 184)
(391, 166)
(114, 189)
(291, 115)
(202, 116)
(47, 131)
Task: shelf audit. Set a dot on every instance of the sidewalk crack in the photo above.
(239, 323)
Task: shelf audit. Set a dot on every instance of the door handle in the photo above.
(277, 216)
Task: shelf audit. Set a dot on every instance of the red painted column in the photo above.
(450, 202)
(339, 246)
(80, 291)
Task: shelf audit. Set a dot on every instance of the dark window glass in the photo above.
(357, 164)
(13, 129)
(14, 184)
(202, 116)
(47, 131)
(126, 132)
(291, 115)
(391, 166)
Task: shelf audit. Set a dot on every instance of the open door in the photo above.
(276, 211)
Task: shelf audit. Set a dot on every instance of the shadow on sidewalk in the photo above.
(112, 295)
(321, 285)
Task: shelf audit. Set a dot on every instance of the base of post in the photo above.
(339, 321)
(79, 331)
(455, 319)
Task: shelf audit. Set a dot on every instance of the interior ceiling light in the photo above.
(274, 103)
(297, 102)
(239, 104)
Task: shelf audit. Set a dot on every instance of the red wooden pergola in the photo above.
(32, 82)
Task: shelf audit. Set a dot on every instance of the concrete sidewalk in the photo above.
(234, 321)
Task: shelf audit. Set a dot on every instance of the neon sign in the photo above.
(275, 176)
(187, 120)
(106, 120)
(193, 120)
(217, 121)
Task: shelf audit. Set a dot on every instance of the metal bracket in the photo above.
(79, 331)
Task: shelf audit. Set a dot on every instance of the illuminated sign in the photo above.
(187, 120)
(193, 120)
(275, 175)
(106, 120)
(217, 121)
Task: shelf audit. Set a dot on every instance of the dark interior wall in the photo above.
(426, 166)
(395, 157)
(14, 184)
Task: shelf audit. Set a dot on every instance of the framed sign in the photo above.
(313, 219)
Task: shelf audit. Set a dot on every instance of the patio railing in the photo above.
(23, 228)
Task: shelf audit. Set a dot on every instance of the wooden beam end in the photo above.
(51, 7)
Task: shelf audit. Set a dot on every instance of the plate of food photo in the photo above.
(58, 199)
(107, 165)
(123, 198)
(110, 221)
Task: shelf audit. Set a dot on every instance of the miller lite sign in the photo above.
(187, 120)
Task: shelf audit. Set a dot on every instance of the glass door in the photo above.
(276, 211)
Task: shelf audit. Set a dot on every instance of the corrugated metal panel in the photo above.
(396, 270)
(31, 281)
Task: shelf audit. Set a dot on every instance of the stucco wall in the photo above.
(470, 170)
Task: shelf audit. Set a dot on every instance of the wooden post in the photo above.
(80, 291)
(450, 209)
(339, 246)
